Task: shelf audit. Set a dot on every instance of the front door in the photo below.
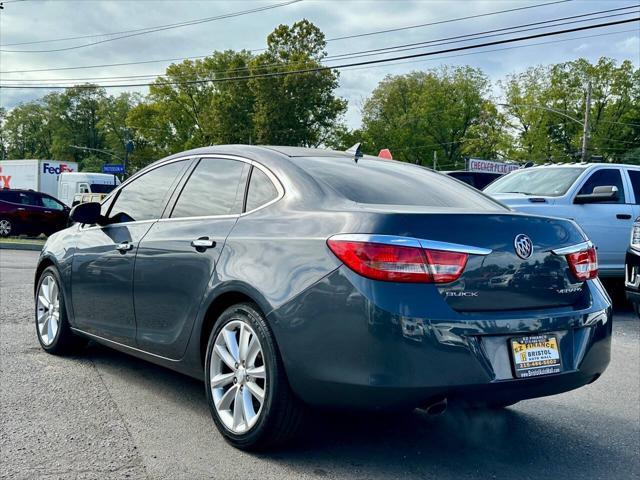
(608, 225)
(176, 259)
(102, 268)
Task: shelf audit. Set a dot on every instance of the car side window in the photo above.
(603, 178)
(49, 202)
(634, 175)
(9, 196)
(28, 198)
(144, 198)
(212, 189)
(261, 190)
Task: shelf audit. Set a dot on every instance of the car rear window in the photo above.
(385, 182)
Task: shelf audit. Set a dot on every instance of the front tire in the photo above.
(247, 389)
(52, 325)
(7, 228)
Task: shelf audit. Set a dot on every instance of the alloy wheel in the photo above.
(5, 228)
(238, 377)
(48, 309)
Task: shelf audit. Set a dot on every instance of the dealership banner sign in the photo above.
(478, 165)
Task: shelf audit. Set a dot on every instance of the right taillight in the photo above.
(584, 264)
(396, 263)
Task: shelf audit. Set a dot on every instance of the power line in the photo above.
(398, 29)
(333, 67)
(377, 32)
(448, 21)
(160, 28)
(365, 53)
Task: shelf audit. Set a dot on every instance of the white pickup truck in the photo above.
(603, 198)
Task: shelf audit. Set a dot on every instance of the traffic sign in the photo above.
(114, 168)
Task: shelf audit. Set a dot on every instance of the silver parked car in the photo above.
(603, 198)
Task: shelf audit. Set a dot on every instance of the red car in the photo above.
(31, 213)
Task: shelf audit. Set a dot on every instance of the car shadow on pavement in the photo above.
(531, 439)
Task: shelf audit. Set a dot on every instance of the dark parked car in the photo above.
(30, 212)
(632, 268)
(477, 180)
(290, 277)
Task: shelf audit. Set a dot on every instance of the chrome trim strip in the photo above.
(102, 339)
(578, 247)
(121, 224)
(411, 242)
(205, 217)
(265, 170)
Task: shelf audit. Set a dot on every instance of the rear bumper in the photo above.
(351, 342)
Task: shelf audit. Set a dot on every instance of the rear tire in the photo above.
(236, 377)
(52, 325)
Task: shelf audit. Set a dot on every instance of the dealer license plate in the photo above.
(535, 355)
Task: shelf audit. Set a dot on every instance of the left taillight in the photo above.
(396, 263)
(584, 264)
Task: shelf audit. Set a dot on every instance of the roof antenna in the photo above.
(355, 151)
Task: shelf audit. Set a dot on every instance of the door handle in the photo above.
(20, 209)
(124, 246)
(623, 216)
(203, 243)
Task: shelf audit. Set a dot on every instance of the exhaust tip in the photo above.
(437, 408)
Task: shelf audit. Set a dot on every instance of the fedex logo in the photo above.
(53, 170)
(5, 180)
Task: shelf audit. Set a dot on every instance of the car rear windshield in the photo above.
(384, 182)
(546, 181)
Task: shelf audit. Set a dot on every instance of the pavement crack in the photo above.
(120, 415)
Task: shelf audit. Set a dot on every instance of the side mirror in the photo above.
(602, 194)
(88, 213)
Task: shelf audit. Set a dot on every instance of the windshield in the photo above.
(102, 188)
(549, 182)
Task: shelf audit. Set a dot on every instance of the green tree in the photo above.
(3, 133)
(192, 106)
(296, 109)
(424, 112)
(542, 101)
(75, 118)
(28, 131)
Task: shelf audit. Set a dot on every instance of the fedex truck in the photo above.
(38, 175)
(59, 179)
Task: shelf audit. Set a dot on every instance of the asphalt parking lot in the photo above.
(103, 415)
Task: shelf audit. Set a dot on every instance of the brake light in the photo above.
(584, 264)
(394, 263)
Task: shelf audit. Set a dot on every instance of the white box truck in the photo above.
(59, 179)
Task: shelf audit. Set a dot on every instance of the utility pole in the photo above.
(435, 159)
(585, 128)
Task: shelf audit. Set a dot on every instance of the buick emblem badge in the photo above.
(523, 246)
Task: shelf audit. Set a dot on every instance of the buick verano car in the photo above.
(291, 278)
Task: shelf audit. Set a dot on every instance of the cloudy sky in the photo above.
(43, 20)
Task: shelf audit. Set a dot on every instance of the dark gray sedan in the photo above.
(291, 278)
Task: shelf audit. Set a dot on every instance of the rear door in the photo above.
(607, 225)
(177, 257)
(31, 212)
(102, 268)
(634, 180)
